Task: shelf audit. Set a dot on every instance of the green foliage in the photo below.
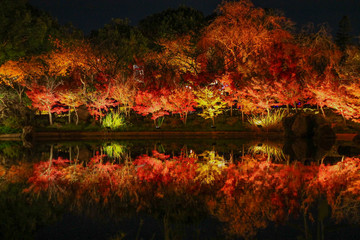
(14, 113)
(170, 23)
(24, 30)
(119, 44)
(21, 217)
(272, 120)
(114, 121)
(12, 122)
(114, 150)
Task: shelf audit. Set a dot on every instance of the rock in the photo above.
(304, 150)
(287, 124)
(325, 137)
(356, 139)
(303, 125)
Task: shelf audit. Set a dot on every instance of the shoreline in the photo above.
(79, 135)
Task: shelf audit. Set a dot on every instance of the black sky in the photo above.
(93, 14)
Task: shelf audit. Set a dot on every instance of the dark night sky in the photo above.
(93, 14)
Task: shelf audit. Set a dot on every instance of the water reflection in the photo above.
(239, 192)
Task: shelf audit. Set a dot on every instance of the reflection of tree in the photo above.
(210, 170)
(20, 215)
(114, 150)
(246, 196)
(272, 151)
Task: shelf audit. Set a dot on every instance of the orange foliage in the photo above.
(246, 34)
(246, 196)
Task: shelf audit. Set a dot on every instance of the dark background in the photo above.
(93, 14)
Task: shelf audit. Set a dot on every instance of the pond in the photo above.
(180, 189)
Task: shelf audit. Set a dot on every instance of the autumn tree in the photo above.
(285, 69)
(245, 35)
(182, 101)
(72, 97)
(98, 95)
(261, 93)
(180, 53)
(124, 91)
(211, 103)
(13, 75)
(154, 103)
(46, 73)
(44, 99)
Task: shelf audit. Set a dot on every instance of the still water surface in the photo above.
(180, 189)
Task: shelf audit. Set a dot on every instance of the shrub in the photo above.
(114, 121)
(272, 120)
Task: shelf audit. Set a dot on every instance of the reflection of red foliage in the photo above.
(47, 174)
(160, 169)
(258, 188)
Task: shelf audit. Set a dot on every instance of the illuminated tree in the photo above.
(228, 89)
(181, 54)
(124, 92)
(211, 103)
(286, 68)
(72, 98)
(154, 103)
(182, 101)
(98, 95)
(261, 92)
(12, 74)
(246, 35)
(44, 99)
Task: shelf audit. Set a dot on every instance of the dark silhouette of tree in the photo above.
(117, 46)
(24, 30)
(343, 36)
(172, 22)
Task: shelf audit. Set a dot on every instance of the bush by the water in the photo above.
(114, 121)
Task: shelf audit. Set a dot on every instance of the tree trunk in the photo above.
(51, 155)
(344, 119)
(242, 115)
(322, 110)
(77, 116)
(288, 108)
(69, 116)
(50, 117)
(100, 118)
